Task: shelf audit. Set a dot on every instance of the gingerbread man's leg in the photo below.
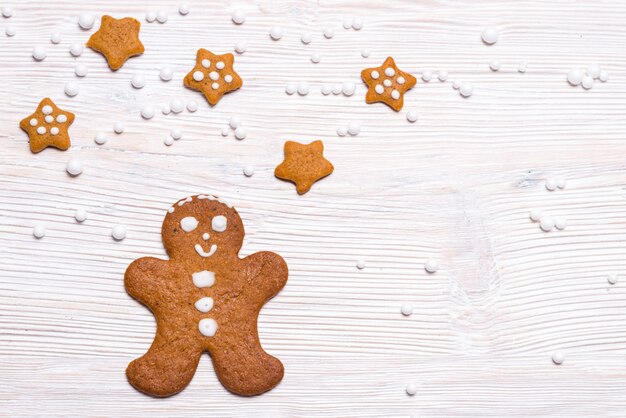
(243, 366)
(167, 367)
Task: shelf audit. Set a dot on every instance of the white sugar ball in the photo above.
(176, 133)
(276, 32)
(495, 65)
(168, 141)
(466, 89)
(306, 38)
(192, 106)
(7, 11)
(234, 122)
(535, 215)
(406, 309)
(347, 23)
(100, 138)
(326, 89)
(442, 75)
(593, 71)
(613, 278)
(427, 75)
(360, 263)
(329, 32)
(546, 223)
(248, 171)
(86, 20)
(342, 131)
(177, 105)
(240, 133)
(315, 58)
(587, 82)
(357, 23)
(354, 128)
(39, 53)
(80, 215)
(166, 74)
(118, 232)
(80, 70)
(348, 88)
(240, 47)
(456, 85)
(412, 116)
(239, 16)
(55, 38)
(411, 389)
(138, 81)
(161, 16)
(551, 184)
(150, 17)
(39, 231)
(558, 357)
(560, 223)
(147, 111)
(165, 109)
(522, 67)
(71, 88)
(291, 88)
(365, 53)
(431, 265)
(74, 166)
(183, 9)
(490, 35)
(337, 88)
(561, 182)
(303, 89)
(76, 49)
(604, 76)
(118, 128)
(10, 31)
(575, 76)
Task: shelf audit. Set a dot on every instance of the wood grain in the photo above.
(456, 186)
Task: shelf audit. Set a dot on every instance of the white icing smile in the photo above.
(202, 253)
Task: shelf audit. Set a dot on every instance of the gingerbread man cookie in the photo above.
(48, 127)
(387, 84)
(205, 298)
(213, 75)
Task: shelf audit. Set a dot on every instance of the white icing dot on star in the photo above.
(61, 118)
(213, 75)
(390, 72)
(379, 89)
(228, 78)
(41, 130)
(198, 75)
(395, 94)
(54, 130)
(375, 75)
(33, 122)
(387, 83)
(220, 65)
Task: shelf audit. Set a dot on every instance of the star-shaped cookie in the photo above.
(213, 75)
(387, 84)
(48, 127)
(304, 164)
(117, 40)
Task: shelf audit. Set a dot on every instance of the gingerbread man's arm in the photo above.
(143, 278)
(267, 273)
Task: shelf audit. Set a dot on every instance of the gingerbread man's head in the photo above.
(202, 227)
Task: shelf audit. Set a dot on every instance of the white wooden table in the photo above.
(456, 186)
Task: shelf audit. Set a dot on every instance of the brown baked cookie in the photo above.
(117, 40)
(48, 127)
(213, 75)
(387, 84)
(304, 164)
(205, 298)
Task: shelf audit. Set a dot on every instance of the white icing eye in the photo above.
(219, 223)
(189, 223)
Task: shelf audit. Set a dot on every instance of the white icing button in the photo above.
(55, 38)
(442, 75)
(291, 88)
(360, 263)
(138, 81)
(575, 76)
(54, 130)
(183, 9)
(329, 32)
(166, 73)
(33, 122)
(86, 20)
(354, 128)
(593, 71)
(215, 86)
(379, 89)
(303, 89)
(192, 106)
(347, 23)
(218, 223)
(400, 80)
(342, 131)
(204, 305)
(604, 76)
(390, 72)
(147, 111)
(203, 278)
(560, 223)
(466, 90)
(10, 31)
(234, 122)
(80, 215)
(375, 75)
(220, 65)
(365, 53)
(49, 119)
(316, 58)
(427, 75)
(387, 83)
(206, 236)
(412, 116)
(198, 75)
(46, 110)
(546, 223)
(587, 82)
(490, 35)
(100, 138)
(558, 357)
(395, 94)
(306, 38)
(118, 128)
(207, 327)
(177, 105)
(494, 65)
(411, 389)
(551, 184)
(168, 141)
(228, 78)
(248, 171)
(80, 70)
(41, 130)
(150, 17)
(357, 23)
(74, 167)
(39, 231)
(39, 53)
(76, 49)
(205, 63)
(61, 118)
(188, 223)
(118, 232)
(176, 133)
(613, 279)
(406, 309)
(240, 47)
(239, 16)
(276, 32)
(7, 11)
(240, 133)
(161, 16)
(535, 215)
(431, 265)
(71, 88)
(213, 75)
(348, 88)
